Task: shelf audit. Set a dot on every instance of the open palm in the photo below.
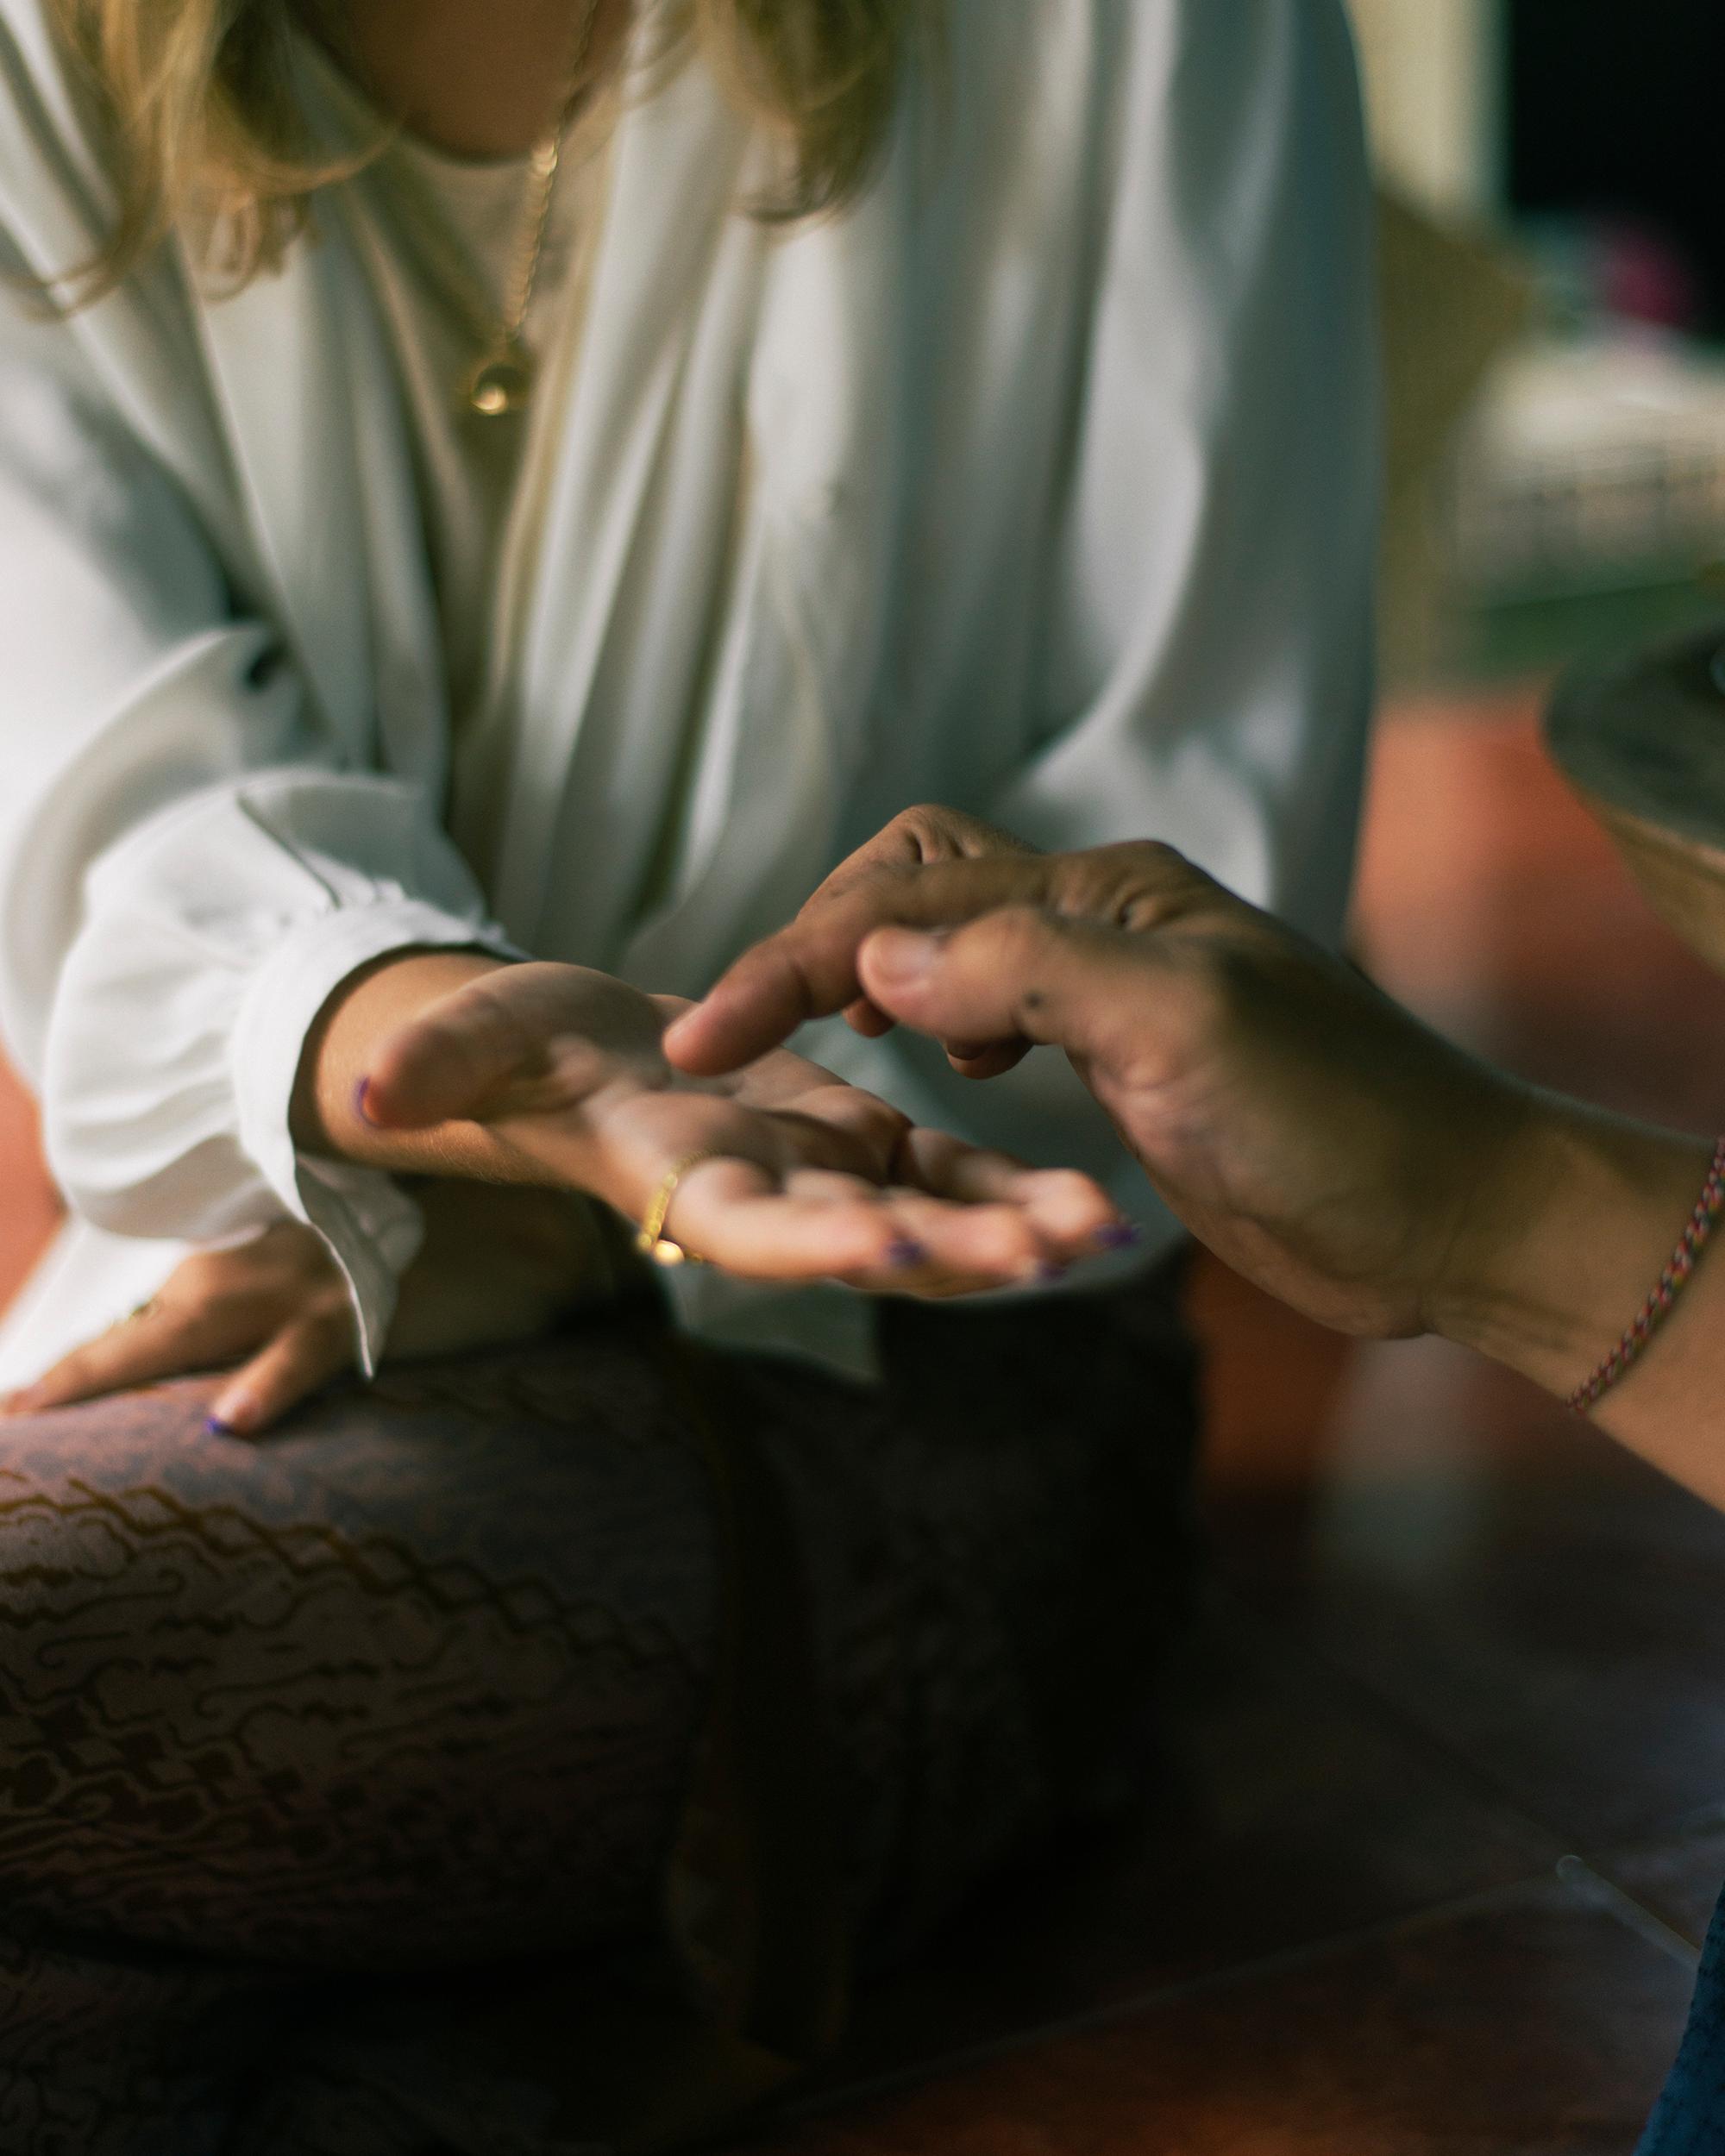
(556, 1073)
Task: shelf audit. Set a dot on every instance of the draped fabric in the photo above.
(1041, 481)
(358, 1791)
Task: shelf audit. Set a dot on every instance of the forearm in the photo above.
(1575, 1225)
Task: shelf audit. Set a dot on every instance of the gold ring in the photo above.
(650, 1239)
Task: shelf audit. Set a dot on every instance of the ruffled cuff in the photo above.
(373, 1229)
(212, 938)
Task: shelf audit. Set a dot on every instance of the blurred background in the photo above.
(1553, 293)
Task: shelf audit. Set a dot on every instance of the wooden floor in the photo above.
(1443, 1810)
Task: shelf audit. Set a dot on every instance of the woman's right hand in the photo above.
(451, 1063)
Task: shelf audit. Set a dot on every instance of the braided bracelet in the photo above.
(1657, 1308)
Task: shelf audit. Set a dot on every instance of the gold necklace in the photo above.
(501, 380)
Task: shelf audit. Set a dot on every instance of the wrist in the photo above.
(1573, 1215)
(363, 1011)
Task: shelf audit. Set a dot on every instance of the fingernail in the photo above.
(899, 954)
(218, 1428)
(906, 1253)
(361, 1092)
(1119, 1235)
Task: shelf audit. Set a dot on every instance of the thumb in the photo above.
(1021, 973)
(447, 1063)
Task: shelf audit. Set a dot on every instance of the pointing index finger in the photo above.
(809, 969)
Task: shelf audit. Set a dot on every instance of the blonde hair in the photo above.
(204, 130)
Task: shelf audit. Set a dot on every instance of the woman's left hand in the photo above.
(278, 1305)
(278, 1308)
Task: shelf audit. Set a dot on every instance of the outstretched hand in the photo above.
(1305, 1127)
(555, 1075)
(809, 970)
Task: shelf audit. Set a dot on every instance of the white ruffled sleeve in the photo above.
(211, 937)
(187, 870)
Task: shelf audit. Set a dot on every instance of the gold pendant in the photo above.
(501, 383)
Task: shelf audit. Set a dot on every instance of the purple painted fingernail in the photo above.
(218, 1428)
(1119, 1235)
(361, 1091)
(906, 1253)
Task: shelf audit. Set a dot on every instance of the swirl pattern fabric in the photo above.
(307, 1746)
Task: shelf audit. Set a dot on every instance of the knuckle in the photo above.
(1154, 882)
(940, 833)
(926, 829)
(1144, 884)
(924, 833)
(1155, 856)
